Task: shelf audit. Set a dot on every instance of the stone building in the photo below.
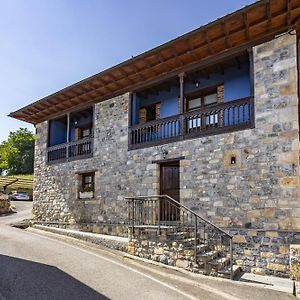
(210, 118)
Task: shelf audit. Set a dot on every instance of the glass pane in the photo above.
(194, 103)
(210, 99)
(85, 133)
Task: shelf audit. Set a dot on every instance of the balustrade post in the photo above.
(182, 127)
(158, 216)
(195, 246)
(231, 259)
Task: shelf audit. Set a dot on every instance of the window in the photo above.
(88, 182)
(149, 113)
(202, 99)
(83, 132)
(205, 98)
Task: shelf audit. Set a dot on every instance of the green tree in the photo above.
(17, 153)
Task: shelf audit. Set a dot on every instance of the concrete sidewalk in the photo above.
(120, 243)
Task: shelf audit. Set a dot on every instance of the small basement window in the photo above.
(87, 188)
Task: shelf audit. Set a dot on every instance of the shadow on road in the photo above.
(23, 279)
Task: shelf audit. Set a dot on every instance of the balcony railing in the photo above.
(221, 118)
(71, 151)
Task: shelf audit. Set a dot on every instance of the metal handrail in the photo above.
(181, 205)
(138, 214)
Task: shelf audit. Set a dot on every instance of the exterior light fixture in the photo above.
(164, 154)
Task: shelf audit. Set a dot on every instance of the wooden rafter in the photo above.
(246, 22)
(177, 57)
(207, 40)
(269, 16)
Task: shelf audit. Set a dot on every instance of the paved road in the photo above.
(38, 265)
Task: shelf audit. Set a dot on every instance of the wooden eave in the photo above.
(219, 40)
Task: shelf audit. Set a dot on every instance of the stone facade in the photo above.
(260, 193)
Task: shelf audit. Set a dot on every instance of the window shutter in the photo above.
(77, 134)
(142, 115)
(157, 111)
(220, 93)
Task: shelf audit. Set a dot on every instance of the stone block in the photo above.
(271, 233)
(258, 271)
(159, 251)
(182, 263)
(288, 157)
(266, 254)
(284, 249)
(277, 267)
(248, 252)
(239, 239)
(289, 181)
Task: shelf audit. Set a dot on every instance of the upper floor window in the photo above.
(149, 113)
(203, 99)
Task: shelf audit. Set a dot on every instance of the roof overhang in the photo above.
(216, 41)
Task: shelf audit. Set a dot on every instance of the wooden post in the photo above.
(68, 135)
(181, 110)
(181, 83)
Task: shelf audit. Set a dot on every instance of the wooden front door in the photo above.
(169, 185)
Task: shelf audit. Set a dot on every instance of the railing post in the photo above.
(133, 213)
(158, 216)
(182, 127)
(195, 246)
(231, 259)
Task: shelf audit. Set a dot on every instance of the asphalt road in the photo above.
(38, 265)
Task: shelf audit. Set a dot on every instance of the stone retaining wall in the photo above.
(5, 206)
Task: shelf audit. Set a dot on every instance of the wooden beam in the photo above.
(163, 61)
(238, 62)
(191, 50)
(138, 72)
(226, 35)
(246, 23)
(122, 71)
(221, 68)
(269, 16)
(177, 57)
(150, 67)
(207, 39)
(288, 14)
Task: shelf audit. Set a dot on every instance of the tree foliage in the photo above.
(17, 153)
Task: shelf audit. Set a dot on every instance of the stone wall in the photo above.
(5, 206)
(260, 192)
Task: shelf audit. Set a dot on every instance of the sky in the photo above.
(46, 45)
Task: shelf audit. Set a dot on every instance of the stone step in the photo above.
(179, 235)
(220, 263)
(225, 272)
(208, 256)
